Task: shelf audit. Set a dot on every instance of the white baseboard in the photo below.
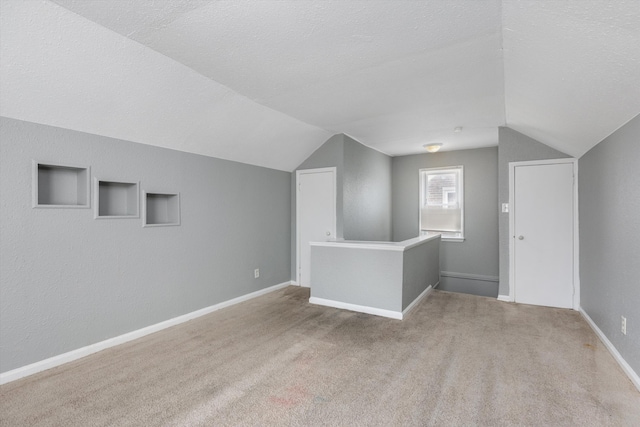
(415, 302)
(633, 376)
(359, 308)
(504, 298)
(372, 310)
(72, 355)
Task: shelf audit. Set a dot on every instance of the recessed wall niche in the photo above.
(60, 186)
(160, 209)
(116, 199)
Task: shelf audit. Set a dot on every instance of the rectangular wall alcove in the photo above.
(161, 209)
(60, 186)
(116, 199)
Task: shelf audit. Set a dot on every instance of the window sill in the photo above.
(453, 239)
(443, 237)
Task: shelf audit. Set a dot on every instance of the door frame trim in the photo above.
(299, 172)
(576, 228)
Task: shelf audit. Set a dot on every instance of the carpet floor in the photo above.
(456, 360)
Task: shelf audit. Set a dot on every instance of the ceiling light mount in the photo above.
(433, 147)
(457, 129)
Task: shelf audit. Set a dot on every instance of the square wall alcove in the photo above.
(115, 199)
(161, 209)
(60, 186)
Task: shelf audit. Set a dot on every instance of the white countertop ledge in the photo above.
(381, 246)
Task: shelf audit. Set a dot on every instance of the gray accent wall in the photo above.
(371, 278)
(478, 254)
(363, 180)
(420, 269)
(609, 198)
(366, 193)
(69, 280)
(379, 278)
(514, 147)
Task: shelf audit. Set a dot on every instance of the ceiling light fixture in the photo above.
(432, 148)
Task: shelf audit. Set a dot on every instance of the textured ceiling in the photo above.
(572, 69)
(266, 82)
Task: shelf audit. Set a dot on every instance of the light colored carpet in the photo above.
(457, 360)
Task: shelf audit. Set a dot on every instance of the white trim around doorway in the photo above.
(576, 238)
(333, 170)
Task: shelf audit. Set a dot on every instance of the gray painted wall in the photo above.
(384, 279)
(69, 280)
(514, 147)
(366, 193)
(609, 197)
(478, 254)
(372, 278)
(476, 284)
(363, 180)
(420, 269)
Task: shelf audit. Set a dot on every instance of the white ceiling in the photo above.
(267, 82)
(572, 69)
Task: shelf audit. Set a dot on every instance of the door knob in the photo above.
(328, 233)
(520, 237)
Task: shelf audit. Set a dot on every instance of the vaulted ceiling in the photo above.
(267, 82)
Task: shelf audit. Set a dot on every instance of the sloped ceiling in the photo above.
(267, 82)
(572, 69)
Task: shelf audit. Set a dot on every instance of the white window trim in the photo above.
(420, 200)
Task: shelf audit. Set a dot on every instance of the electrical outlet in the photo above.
(505, 208)
(256, 273)
(624, 325)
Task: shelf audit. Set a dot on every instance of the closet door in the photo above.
(543, 234)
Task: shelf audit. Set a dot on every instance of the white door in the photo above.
(315, 213)
(543, 234)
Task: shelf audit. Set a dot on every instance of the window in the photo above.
(442, 202)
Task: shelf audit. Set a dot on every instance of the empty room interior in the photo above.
(323, 212)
